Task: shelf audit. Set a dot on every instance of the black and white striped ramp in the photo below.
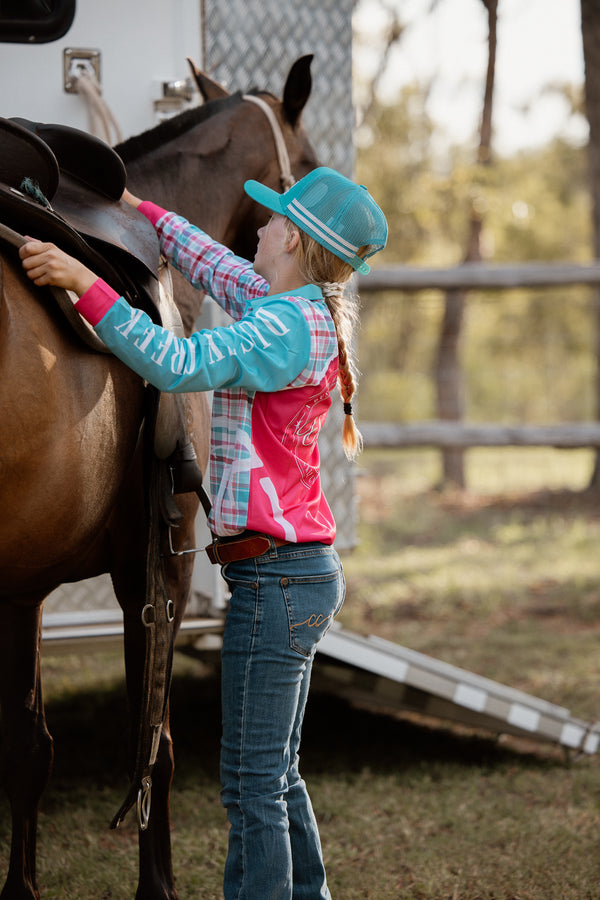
(382, 673)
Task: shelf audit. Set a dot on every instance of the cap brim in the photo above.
(265, 196)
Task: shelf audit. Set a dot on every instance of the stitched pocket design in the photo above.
(312, 604)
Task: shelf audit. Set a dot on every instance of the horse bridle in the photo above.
(283, 157)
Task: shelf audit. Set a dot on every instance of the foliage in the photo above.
(528, 354)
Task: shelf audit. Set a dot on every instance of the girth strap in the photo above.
(157, 619)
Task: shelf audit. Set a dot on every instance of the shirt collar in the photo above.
(307, 291)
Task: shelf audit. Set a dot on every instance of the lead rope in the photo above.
(283, 158)
(100, 117)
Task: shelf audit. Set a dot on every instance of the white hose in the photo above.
(101, 119)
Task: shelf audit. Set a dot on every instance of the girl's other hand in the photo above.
(45, 264)
(128, 197)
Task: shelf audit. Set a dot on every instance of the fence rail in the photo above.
(471, 276)
(443, 434)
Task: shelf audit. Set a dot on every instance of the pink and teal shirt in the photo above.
(272, 372)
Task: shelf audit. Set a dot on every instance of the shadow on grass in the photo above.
(91, 728)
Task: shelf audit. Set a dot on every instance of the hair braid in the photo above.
(320, 266)
(347, 374)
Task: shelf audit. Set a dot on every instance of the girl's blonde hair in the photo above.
(321, 267)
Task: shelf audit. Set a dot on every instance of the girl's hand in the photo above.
(45, 264)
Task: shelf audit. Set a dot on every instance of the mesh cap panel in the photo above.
(336, 212)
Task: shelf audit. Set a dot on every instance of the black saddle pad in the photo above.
(82, 156)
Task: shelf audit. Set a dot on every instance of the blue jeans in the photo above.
(282, 604)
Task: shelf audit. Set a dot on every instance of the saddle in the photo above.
(63, 185)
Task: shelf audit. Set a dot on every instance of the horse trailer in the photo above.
(78, 69)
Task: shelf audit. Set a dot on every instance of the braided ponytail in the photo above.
(321, 267)
(344, 313)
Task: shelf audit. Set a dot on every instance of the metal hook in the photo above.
(173, 552)
(144, 800)
(148, 615)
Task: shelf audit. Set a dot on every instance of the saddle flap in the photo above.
(111, 221)
(25, 155)
(82, 156)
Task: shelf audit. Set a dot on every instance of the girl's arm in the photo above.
(204, 262)
(263, 352)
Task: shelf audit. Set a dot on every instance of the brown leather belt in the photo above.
(244, 546)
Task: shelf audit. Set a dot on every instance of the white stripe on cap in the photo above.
(317, 225)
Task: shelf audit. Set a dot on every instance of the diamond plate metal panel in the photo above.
(246, 49)
(83, 596)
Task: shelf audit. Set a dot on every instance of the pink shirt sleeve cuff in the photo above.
(96, 302)
(152, 212)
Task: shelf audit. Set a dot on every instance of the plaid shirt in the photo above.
(272, 371)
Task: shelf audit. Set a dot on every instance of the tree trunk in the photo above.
(449, 377)
(590, 29)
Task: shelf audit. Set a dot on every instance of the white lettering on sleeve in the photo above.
(214, 353)
(143, 344)
(163, 347)
(272, 321)
(251, 327)
(178, 359)
(126, 327)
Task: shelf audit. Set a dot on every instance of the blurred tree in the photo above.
(590, 29)
(527, 355)
(448, 368)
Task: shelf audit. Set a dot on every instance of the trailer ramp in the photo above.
(368, 670)
(380, 673)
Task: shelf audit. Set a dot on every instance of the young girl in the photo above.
(272, 372)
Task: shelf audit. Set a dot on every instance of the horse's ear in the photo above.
(297, 89)
(210, 90)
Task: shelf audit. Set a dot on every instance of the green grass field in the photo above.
(503, 580)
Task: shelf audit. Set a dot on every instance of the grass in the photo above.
(505, 584)
(503, 580)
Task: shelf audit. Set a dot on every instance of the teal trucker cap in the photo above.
(339, 214)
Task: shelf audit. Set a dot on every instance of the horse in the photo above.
(72, 490)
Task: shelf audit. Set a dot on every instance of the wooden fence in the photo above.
(473, 276)
(461, 435)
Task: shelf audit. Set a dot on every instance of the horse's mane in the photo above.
(141, 144)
